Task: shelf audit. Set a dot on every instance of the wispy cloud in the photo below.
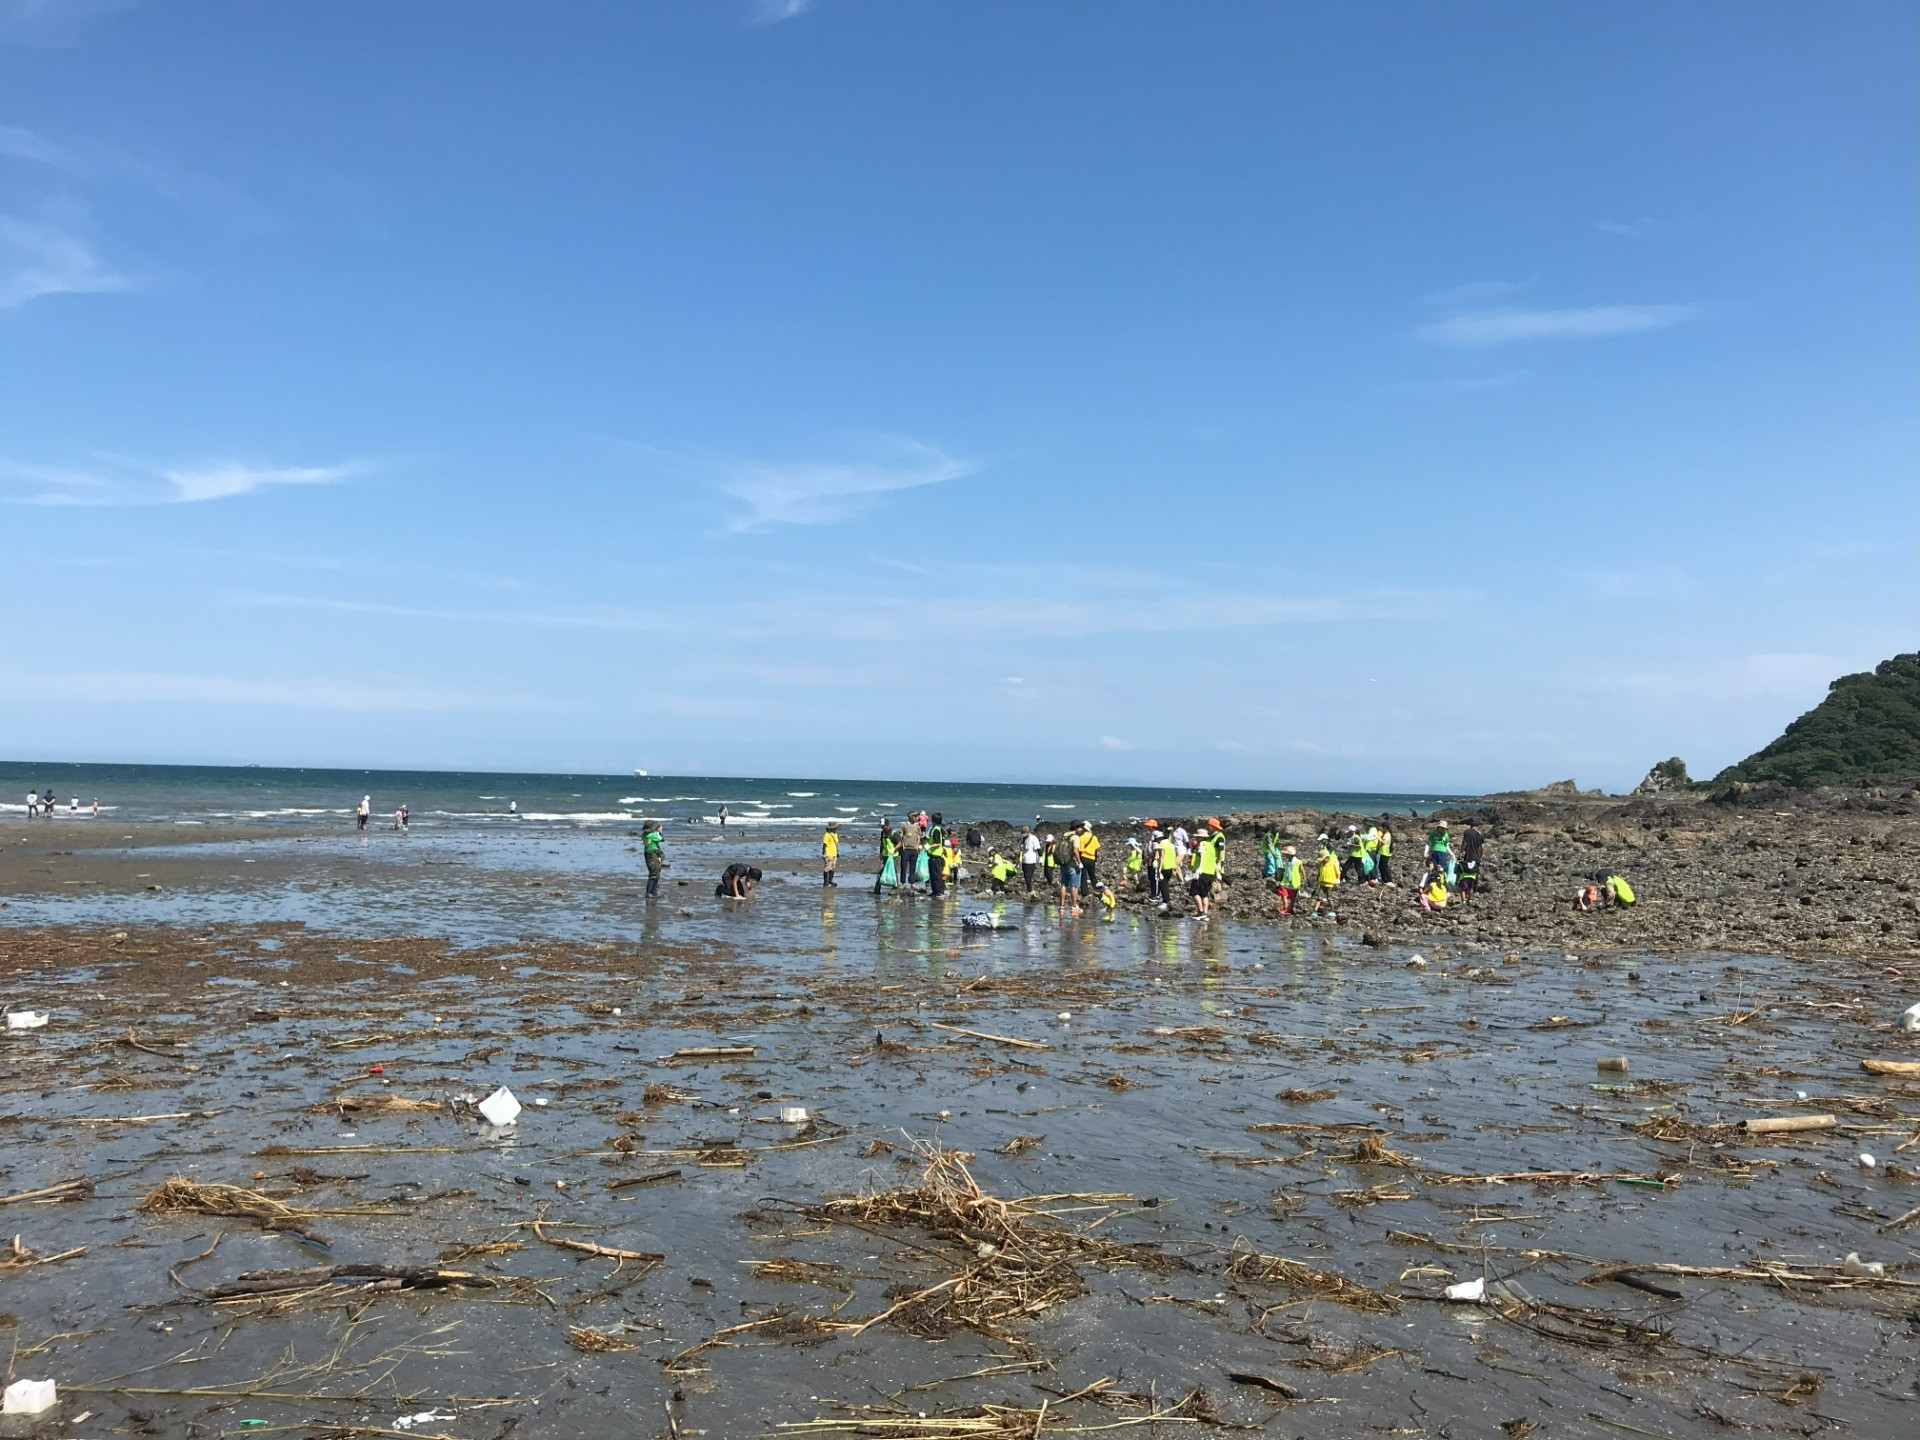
(39, 258)
(1506, 324)
(1631, 229)
(321, 693)
(597, 618)
(1114, 742)
(1762, 676)
(52, 23)
(86, 160)
(772, 12)
(110, 481)
(218, 482)
(819, 492)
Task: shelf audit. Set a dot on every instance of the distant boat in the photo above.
(641, 773)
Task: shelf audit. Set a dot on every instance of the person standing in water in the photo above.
(363, 812)
(830, 856)
(513, 808)
(653, 848)
(723, 817)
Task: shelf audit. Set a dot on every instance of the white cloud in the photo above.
(118, 482)
(1763, 676)
(52, 23)
(821, 492)
(217, 482)
(597, 618)
(1504, 325)
(772, 12)
(19, 143)
(1632, 229)
(317, 693)
(1114, 742)
(43, 259)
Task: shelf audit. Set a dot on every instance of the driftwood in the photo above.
(983, 1035)
(1891, 1067)
(78, 1189)
(1790, 1124)
(646, 1257)
(629, 1181)
(399, 1277)
(708, 1052)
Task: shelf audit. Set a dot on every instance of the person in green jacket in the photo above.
(1288, 878)
(1383, 855)
(1440, 850)
(653, 846)
(1620, 892)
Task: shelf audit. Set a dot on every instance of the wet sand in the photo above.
(1267, 1154)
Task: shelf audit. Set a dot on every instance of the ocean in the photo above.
(456, 800)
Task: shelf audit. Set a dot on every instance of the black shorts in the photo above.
(1200, 885)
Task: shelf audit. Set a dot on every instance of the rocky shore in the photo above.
(1767, 869)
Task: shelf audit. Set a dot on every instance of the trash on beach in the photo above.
(1862, 1269)
(1469, 1292)
(1867, 1162)
(708, 1052)
(31, 1397)
(1910, 1018)
(26, 1019)
(793, 1114)
(500, 1108)
(980, 920)
(425, 1417)
(1614, 1063)
(1416, 962)
(1788, 1124)
(1891, 1067)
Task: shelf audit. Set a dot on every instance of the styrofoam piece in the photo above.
(1469, 1292)
(793, 1114)
(30, 1397)
(500, 1108)
(26, 1019)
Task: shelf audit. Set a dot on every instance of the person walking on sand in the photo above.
(1472, 845)
(830, 856)
(909, 853)
(1169, 871)
(1328, 864)
(1029, 857)
(653, 849)
(1067, 858)
(1206, 870)
(1088, 846)
(1440, 850)
(1289, 877)
(363, 812)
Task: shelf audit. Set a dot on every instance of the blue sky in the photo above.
(1435, 397)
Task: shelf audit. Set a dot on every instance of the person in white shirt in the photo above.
(1029, 857)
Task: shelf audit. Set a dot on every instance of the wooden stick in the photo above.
(708, 1052)
(65, 1189)
(1790, 1124)
(592, 1249)
(1891, 1067)
(983, 1035)
(647, 1179)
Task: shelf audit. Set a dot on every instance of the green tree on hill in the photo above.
(1869, 724)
